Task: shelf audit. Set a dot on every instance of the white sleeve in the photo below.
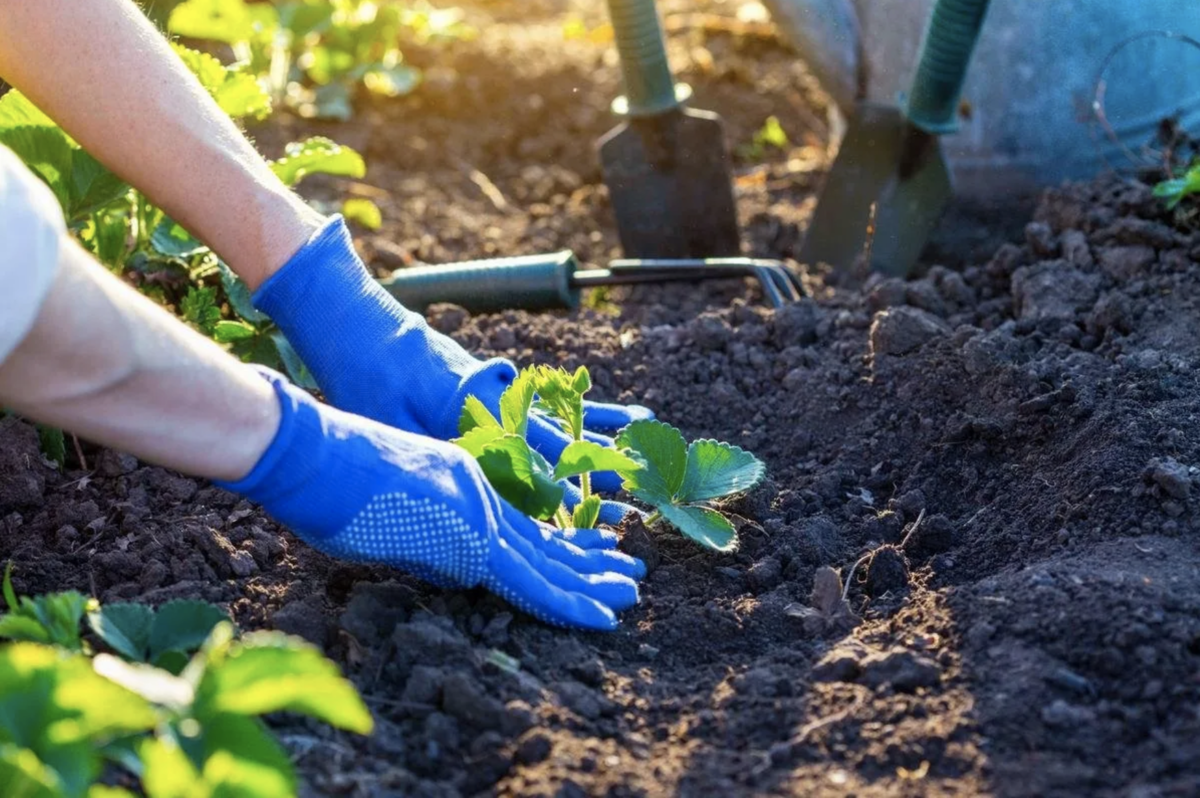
(31, 233)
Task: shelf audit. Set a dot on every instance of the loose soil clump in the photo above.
(1037, 633)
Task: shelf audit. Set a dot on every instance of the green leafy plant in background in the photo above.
(1175, 189)
(316, 55)
(187, 726)
(680, 481)
(770, 136)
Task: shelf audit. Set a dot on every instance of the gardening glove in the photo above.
(362, 491)
(372, 357)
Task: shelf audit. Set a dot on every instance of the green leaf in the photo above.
(241, 757)
(24, 775)
(478, 439)
(170, 239)
(238, 294)
(155, 685)
(168, 772)
(716, 470)
(182, 626)
(104, 791)
(515, 403)
(226, 21)
(110, 236)
(272, 672)
(39, 143)
(10, 595)
(558, 395)
(125, 628)
(317, 155)
(20, 627)
(521, 476)
(92, 186)
(703, 525)
(665, 455)
(587, 513)
(292, 363)
(226, 332)
(331, 101)
(584, 457)
(363, 212)
(241, 96)
(54, 444)
(475, 414)
(199, 308)
(393, 81)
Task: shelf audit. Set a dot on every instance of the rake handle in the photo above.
(945, 55)
(533, 282)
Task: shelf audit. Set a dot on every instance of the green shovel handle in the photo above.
(649, 87)
(946, 53)
(534, 282)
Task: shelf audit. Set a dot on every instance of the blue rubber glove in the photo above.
(374, 358)
(359, 490)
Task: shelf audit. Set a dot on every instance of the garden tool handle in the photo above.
(649, 86)
(532, 282)
(945, 55)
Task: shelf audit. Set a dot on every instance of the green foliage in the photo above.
(79, 182)
(363, 212)
(317, 155)
(52, 619)
(678, 478)
(1176, 189)
(316, 55)
(518, 473)
(657, 465)
(53, 444)
(770, 136)
(199, 308)
(193, 731)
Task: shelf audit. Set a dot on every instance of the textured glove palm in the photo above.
(358, 490)
(372, 357)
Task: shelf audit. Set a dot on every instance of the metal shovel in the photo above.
(890, 183)
(666, 167)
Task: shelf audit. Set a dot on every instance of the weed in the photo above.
(1176, 189)
(770, 136)
(680, 481)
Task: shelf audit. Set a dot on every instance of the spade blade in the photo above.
(886, 163)
(669, 181)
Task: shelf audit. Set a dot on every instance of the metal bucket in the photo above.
(1030, 89)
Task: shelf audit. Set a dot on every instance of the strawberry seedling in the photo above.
(187, 725)
(680, 481)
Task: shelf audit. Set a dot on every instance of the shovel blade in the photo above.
(670, 184)
(868, 173)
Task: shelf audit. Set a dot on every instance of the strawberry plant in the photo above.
(316, 55)
(190, 728)
(680, 481)
(1175, 189)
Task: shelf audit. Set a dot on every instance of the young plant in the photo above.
(191, 728)
(680, 481)
(1177, 188)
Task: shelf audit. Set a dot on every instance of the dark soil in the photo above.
(1036, 633)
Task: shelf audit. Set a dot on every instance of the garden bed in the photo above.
(1033, 408)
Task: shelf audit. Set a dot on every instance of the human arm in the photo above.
(108, 77)
(101, 360)
(105, 74)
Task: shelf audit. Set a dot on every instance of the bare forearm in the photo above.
(106, 363)
(102, 71)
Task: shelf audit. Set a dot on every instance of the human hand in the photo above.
(359, 490)
(372, 357)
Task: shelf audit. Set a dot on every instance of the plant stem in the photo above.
(654, 518)
(585, 485)
(563, 518)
